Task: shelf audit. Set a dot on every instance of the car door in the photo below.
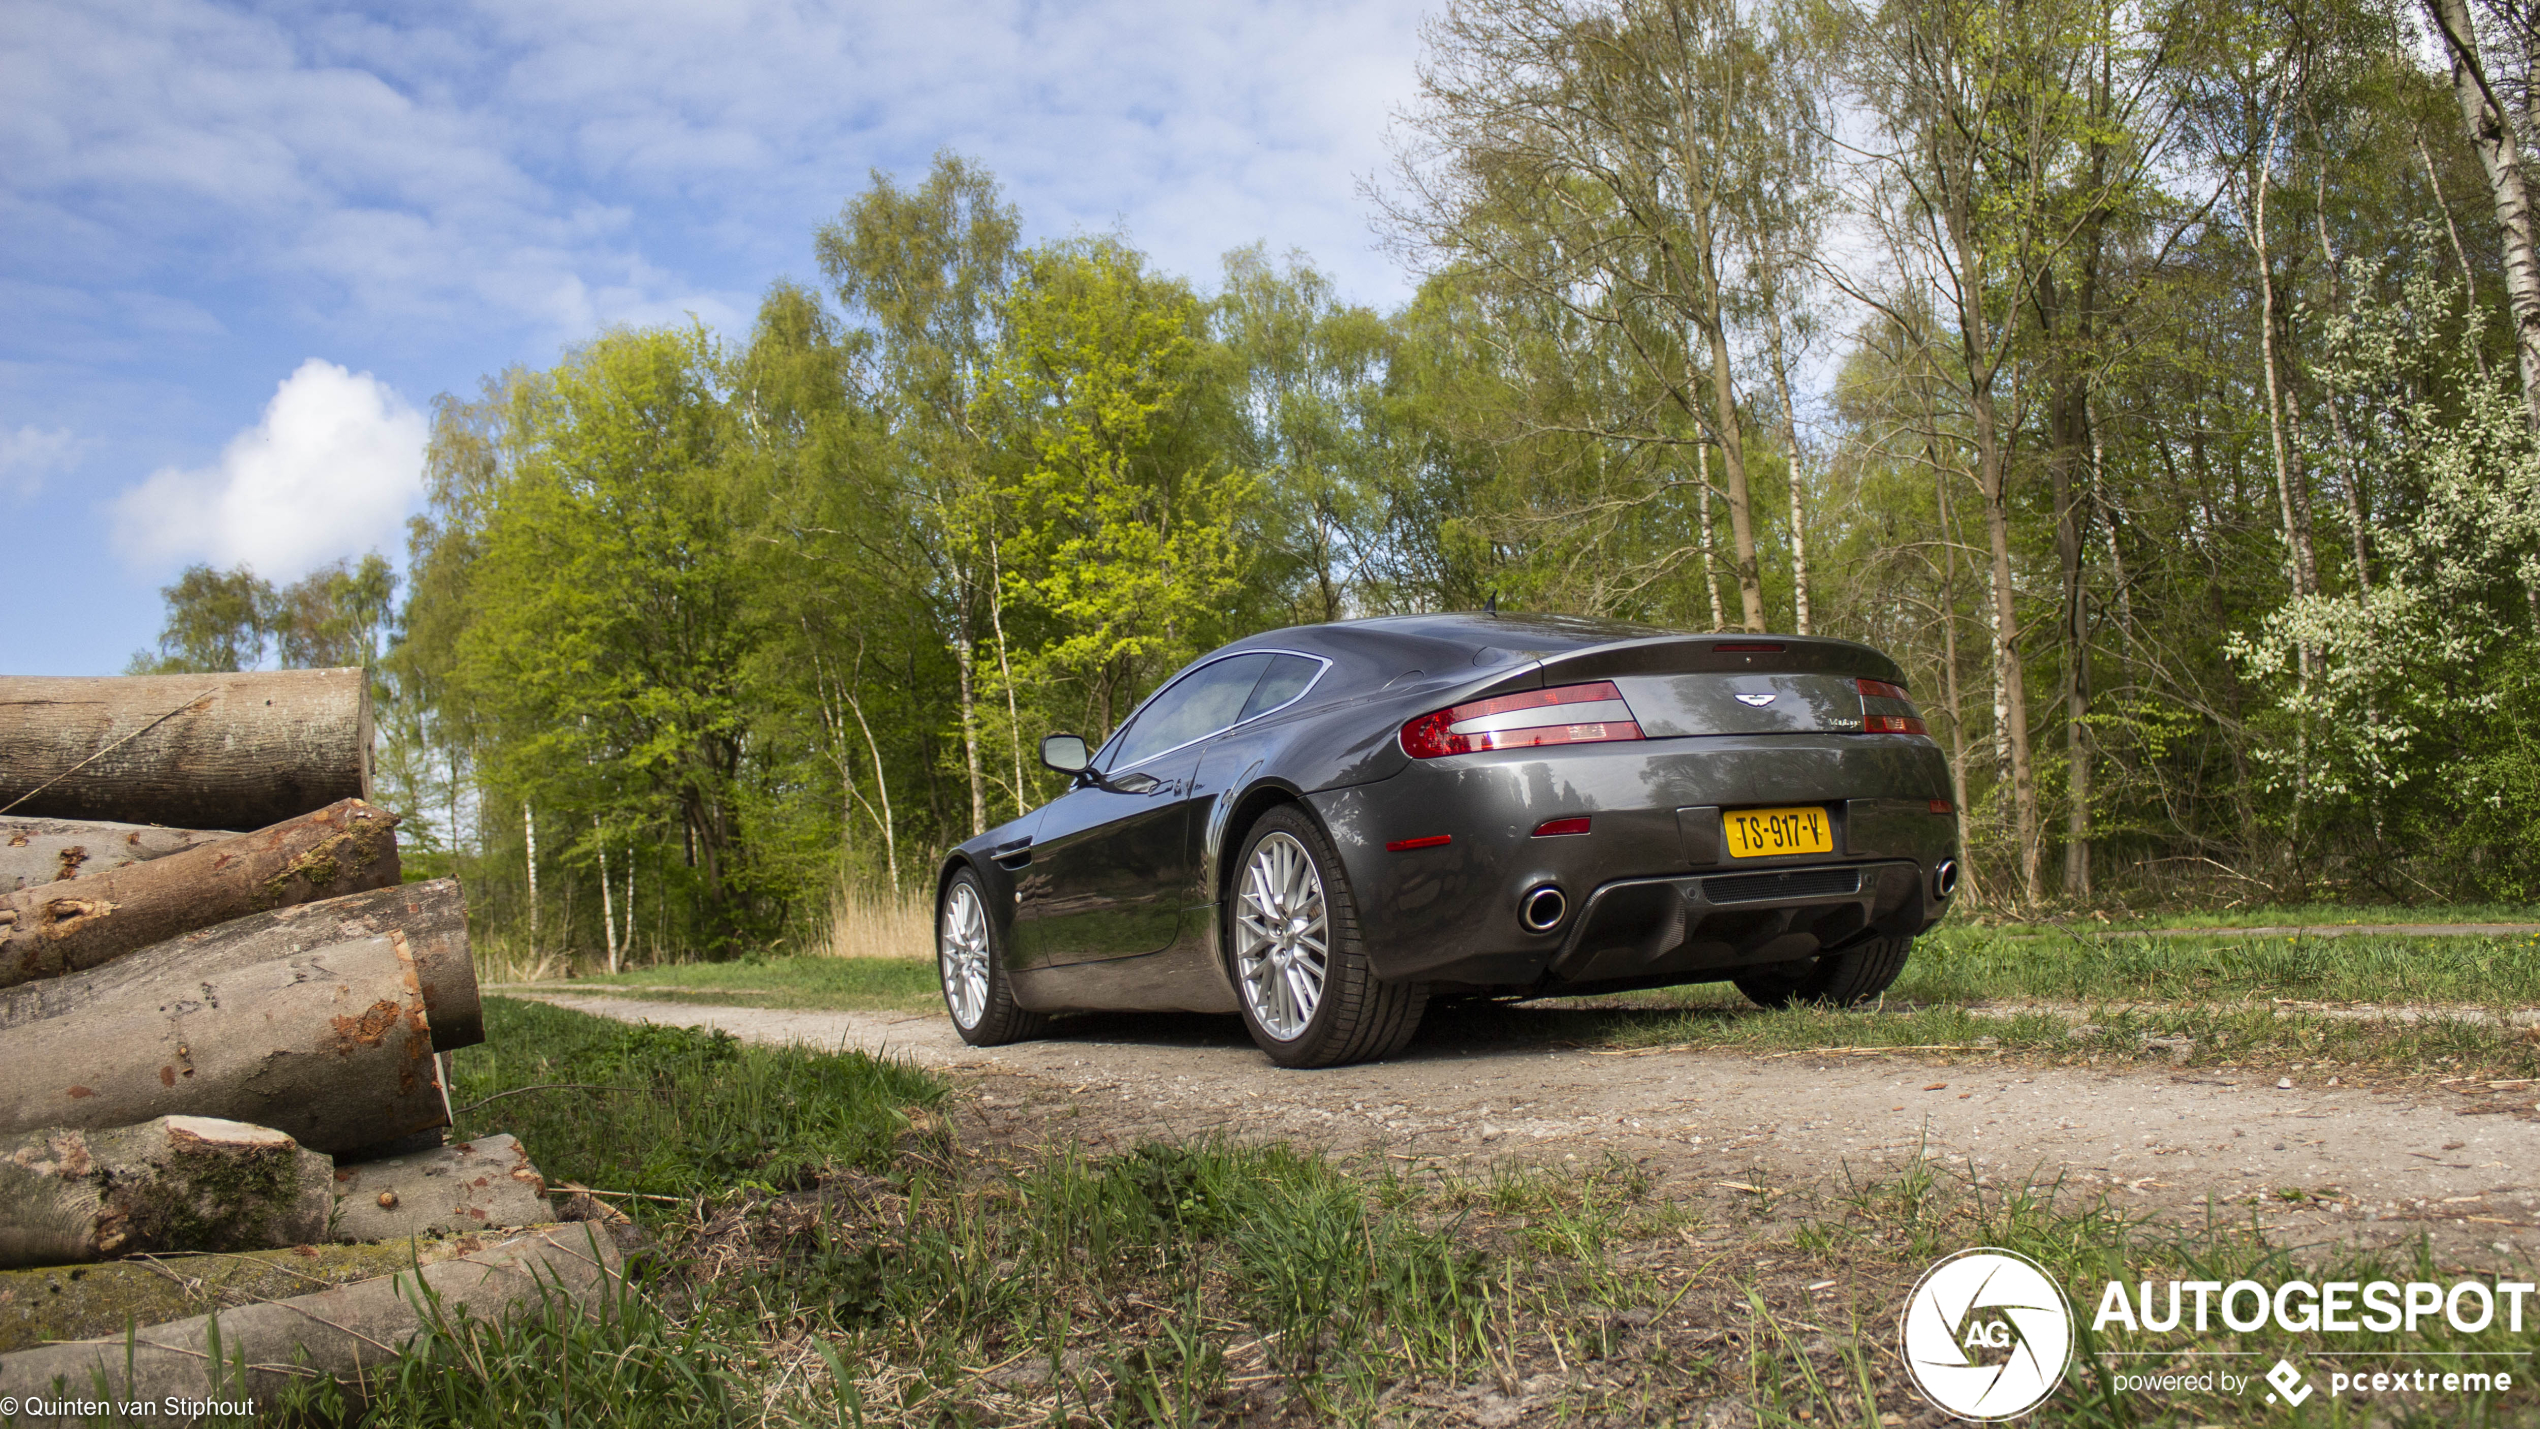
(1112, 861)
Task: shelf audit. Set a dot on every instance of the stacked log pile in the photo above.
(214, 1040)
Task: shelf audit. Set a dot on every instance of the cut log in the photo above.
(332, 1046)
(341, 1332)
(176, 1183)
(476, 1185)
(345, 847)
(432, 916)
(235, 751)
(37, 851)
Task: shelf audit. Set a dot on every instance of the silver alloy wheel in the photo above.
(963, 954)
(1282, 937)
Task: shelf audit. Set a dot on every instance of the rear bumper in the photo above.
(1649, 932)
(1646, 901)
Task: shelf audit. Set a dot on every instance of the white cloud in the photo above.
(29, 454)
(330, 471)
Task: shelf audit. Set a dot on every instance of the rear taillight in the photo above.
(1565, 714)
(1885, 709)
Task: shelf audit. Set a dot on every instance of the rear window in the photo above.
(1287, 678)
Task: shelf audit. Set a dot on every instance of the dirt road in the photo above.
(2317, 1161)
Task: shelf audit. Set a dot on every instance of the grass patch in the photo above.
(666, 1111)
(828, 983)
(2276, 915)
(2249, 1037)
(1959, 963)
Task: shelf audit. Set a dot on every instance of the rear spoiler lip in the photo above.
(1698, 655)
(1681, 655)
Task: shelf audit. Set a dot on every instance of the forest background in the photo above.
(2157, 382)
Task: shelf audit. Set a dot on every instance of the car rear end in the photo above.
(1652, 811)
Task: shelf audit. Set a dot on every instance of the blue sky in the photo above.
(243, 245)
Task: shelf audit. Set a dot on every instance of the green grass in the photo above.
(2221, 1037)
(837, 984)
(1955, 963)
(2276, 915)
(664, 1111)
(840, 1260)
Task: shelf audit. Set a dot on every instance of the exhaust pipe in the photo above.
(1541, 911)
(1944, 879)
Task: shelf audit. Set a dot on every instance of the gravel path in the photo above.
(2383, 1165)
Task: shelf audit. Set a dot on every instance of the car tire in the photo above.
(1290, 895)
(1839, 979)
(970, 959)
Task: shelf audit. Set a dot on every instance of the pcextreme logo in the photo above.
(1987, 1334)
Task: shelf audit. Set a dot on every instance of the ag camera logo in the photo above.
(1987, 1334)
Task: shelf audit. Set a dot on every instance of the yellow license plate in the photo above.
(1760, 833)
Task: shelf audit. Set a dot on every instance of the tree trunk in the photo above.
(1798, 487)
(173, 1183)
(1710, 580)
(344, 1331)
(332, 1046)
(608, 895)
(529, 840)
(1949, 660)
(2068, 424)
(467, 1186)
(2490, 132)
(432, 917)
(236, 751)
(47, 931)
(1750, 585)
(36, 851)
(1992, 481)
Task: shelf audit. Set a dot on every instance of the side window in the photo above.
(1287, 678)
(1197, 705)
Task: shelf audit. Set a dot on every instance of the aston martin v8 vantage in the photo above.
(1322, 828)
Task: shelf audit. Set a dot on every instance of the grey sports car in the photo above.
(1323, 827)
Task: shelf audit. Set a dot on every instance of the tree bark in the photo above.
(173, 1183)
(347, 847)
(234, 751)
(1750, 585)
(474, 1185)
(331, 1046)
(343, 1331)
(2491, 133)
(1798, 487)
(432, 917)
(1993, 482)
(38, 851)
(1710, 581)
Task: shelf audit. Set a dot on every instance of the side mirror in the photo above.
(1066, 753)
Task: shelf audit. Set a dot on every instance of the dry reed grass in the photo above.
(878, 923)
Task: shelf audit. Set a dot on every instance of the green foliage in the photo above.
(337, 615)
(762, 623)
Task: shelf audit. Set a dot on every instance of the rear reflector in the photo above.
(1882, 690)
(1892, 724)
(1943, 806)
(1553, 828)
(1565, 714)
(1432, 841)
